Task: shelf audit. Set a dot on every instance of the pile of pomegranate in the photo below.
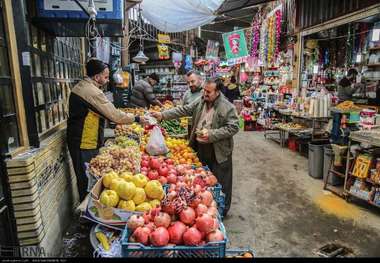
(187, 216)
(159, 168)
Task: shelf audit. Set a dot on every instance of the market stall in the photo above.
(152, 197)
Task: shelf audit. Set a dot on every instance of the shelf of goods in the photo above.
(366, 181)
(143, 209)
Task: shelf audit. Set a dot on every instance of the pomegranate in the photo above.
(199, 181)
(212, 180)
(163, 180)
(169, 208)
(151, 226)
(201, 209)
(135, 221)
(154, 163)
(147, 217)
(192, 237)
(197, 188)
(141, 235)
(144, 163)
(159, 237)
(180, 179)
(169, 161)
(162, 219)
(163, 171)
(172, 178)
(181, 169)
(187, 216)
(206, 197)
(176, 232)
(153, 175)
(154, 212)
(215, 236)
(212, 211)
(205, 223)
(195, 202)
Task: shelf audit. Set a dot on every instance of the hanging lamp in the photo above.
(140, 57)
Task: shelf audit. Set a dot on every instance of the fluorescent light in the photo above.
(358, 58)
(376, 34)
(315, 69)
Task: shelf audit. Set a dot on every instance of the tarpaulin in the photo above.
(179, 15)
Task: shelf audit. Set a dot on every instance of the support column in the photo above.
(125, 39)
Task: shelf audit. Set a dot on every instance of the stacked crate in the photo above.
(42, 185)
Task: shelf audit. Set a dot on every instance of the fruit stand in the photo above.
(165, 204)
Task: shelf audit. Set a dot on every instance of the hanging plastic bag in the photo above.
(156, 144)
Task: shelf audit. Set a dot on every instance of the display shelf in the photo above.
(361, 198)
(374, 48)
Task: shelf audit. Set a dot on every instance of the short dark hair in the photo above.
(155, 77)
(352, 72)
(191, 72)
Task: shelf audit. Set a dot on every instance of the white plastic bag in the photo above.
(156, 144)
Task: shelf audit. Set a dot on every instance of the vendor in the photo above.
(347, 86)
(88, 109)
(194, 80)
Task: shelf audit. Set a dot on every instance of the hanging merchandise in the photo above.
(163, 51)
(235, 44)
(180, 15)
(271, 40)
(177, 59)
(212, 49)
(188, 63)
(255, 37)
(263, 43)
(278, 32)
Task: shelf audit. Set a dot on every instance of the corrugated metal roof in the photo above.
(233, 5)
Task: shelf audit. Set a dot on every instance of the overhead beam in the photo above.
(243, 7)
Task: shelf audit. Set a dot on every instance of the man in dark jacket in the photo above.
(142, 93)
(232, 92)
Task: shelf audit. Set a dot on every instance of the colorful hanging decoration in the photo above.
(263, 43)
(278, 15)
(271, 40)
(255, 37)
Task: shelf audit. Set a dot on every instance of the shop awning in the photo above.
(234, 5)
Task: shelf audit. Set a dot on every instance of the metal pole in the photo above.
(125, 39)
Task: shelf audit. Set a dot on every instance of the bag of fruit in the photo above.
(156, 144)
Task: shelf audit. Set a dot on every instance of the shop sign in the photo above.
(235, 61)
(163, 39)
(163, 51)
(235, 44)
(212, 49)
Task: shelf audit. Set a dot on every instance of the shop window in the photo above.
(53, 60)
(8, 115)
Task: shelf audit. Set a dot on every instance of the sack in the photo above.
(156, 144)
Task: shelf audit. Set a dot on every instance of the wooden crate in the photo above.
(39, 180)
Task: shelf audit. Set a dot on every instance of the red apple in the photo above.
(153, 175)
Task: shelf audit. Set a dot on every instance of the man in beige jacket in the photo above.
(88, 110)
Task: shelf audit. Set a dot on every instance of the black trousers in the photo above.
(222, 171)
(79, 158)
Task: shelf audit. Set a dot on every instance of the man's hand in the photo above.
(143, 120)
(157, 115)
(203, 137)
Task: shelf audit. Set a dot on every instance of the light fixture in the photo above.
(376, 32)
(315, 69)
(140, 57)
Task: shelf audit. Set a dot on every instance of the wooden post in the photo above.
(15, 72)
(125, 39)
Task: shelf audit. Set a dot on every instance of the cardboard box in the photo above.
(106, 215)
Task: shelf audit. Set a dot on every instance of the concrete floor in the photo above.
(277, 209)
(280, 211)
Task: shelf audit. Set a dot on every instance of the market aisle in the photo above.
(279, 210)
